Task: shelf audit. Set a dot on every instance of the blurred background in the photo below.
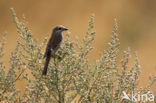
(136, 20)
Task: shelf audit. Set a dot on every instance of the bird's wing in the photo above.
(56, 40)
(48, 48)
(53, 43)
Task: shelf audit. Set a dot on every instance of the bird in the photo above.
(53, 45)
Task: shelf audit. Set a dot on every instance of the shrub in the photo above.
(70, 77)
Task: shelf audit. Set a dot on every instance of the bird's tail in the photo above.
(46, 64)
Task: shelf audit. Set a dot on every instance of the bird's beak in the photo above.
(65, 29)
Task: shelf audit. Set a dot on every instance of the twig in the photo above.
(13, 81)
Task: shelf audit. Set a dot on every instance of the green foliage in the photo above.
(70, 76)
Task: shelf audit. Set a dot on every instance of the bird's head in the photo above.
(59, 29)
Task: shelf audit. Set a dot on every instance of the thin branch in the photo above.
(13, 81)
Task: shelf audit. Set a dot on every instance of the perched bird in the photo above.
(53, 45)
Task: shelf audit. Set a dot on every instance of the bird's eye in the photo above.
(59, 28)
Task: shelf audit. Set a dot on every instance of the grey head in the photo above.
(59, 29)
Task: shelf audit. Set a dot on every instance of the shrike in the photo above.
(53, 45)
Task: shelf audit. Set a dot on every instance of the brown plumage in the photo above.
(53, 45)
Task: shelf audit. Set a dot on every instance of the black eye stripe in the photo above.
(59, 28)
